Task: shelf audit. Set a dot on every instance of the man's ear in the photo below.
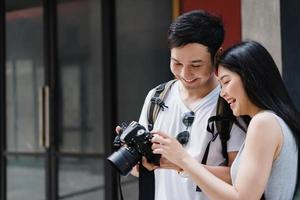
(220, 51)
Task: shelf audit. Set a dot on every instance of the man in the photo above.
(195, 39)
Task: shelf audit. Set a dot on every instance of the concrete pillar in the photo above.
(261, 22)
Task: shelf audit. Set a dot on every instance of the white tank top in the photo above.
(283, 177)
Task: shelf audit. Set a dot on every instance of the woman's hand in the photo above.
(169, 148)
(166, 164)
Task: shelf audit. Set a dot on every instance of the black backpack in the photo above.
(222, 121)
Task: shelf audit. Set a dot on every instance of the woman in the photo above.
(267, 162)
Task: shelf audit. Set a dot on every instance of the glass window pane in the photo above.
(142, 52)
(79, 39)
(130, 187)
(81, 179)
(24, 74)
(25, 178)
(142, 57)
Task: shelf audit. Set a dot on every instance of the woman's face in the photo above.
(233, 92)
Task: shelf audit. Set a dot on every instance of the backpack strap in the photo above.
(157, 102)
(146, 184)
(222, 121)
(146, 178)
(224, 125)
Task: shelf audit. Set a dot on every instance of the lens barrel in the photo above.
(124, 159)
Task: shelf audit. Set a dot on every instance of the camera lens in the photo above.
(124, 159)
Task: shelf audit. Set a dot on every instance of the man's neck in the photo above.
(190, 97)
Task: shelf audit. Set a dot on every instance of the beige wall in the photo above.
(261, 22)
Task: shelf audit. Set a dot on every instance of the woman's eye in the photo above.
(226, 82)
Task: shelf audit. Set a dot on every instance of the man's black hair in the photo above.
(197, 26)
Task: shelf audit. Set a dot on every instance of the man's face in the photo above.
(192, 66)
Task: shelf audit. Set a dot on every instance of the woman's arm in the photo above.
(262, 144)
(223, 172)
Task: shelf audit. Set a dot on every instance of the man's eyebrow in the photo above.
(174, 59)
(197, 61)
(193, 61)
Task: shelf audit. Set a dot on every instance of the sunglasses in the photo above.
(187, 120)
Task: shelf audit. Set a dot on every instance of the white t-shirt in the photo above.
(169, 185)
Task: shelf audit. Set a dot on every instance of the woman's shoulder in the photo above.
(265, 131)
(265, 124)
(264, 119)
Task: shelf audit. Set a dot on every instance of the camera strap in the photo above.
(120, 187)
(146, 184)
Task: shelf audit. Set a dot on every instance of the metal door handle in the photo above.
(44, 137)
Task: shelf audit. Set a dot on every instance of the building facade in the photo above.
(71, 70)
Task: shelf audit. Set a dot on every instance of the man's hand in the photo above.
(164, 164)
(118, 129)
(148, 165)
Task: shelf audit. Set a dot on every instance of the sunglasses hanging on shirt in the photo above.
(187, 120)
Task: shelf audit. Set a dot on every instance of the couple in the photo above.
(263, 163)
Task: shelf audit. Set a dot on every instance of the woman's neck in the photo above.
(254, 110)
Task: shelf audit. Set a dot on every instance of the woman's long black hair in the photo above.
(262, 82)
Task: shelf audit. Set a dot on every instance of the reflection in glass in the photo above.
(24, 76)
(81, 179)
(130, 187)
(79, 39)
(25, 178)
(142, 52)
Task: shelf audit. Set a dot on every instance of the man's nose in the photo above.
(186, 71)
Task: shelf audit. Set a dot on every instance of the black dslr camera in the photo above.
(135, 142)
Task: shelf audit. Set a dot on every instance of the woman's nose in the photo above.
(223, 93)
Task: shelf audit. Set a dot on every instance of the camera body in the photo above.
(134, 142)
